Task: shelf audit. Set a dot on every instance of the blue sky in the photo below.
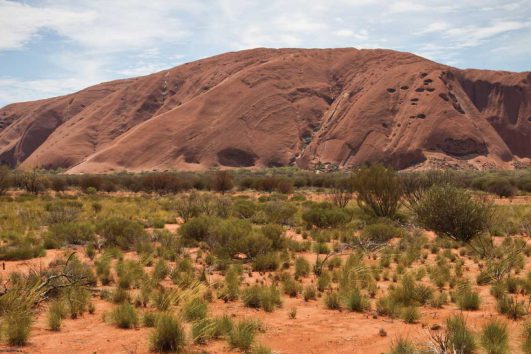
(49, 48)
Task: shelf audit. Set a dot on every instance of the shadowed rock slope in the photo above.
(276, 107)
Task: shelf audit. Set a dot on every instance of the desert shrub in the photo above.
(439, 300)
(120, 232)
(103, 270)
(260, 349)
(511, 307)
(198, 228)
(18, 326)
(222, 326)
(266, 262)
(244, 209)
(403, 346)
(75, 233)
(77, 299)
(466, 297)
(242, 335)
(17, 247)
(410, 314)
(168, 335)
(161, 270)
(290, 286)
(378, 190)
(130, 274)
(279, 212)
(323, 281)
(460, 338)
(63, 211)
(333, 301)
(324, 216)
(302, 267)
(495, 338)
(222, 181)
(202, 330)
(387, 306)
(309, 293)
(274, 233)
(266, 297)
(195, 309)
(356, 301)
(149, 319)
(231, 288)
(56, 313)
(453, 212)
(380, 232)
(526, 343)
(125, 316)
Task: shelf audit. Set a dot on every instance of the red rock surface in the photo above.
(277, 107)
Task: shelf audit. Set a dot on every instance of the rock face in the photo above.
(279, 107)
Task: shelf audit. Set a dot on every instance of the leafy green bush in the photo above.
(453, 212)
(325, 216)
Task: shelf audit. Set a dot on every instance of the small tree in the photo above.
(222, 181)
(342, 192)
(378, 190)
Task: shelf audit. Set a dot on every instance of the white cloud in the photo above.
(98, 40)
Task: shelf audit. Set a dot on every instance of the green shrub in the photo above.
(291, 287)
(56, 313)
(18, 327)
(466, 298)
(302, 267)
(261, 350)
(125, 316)
(380, 232)
(267, 262)
(242, 335)
(403, 346)
(76, 233)
(459, 336)
(357, 302)
(120, 232)
(378, 190)
(410, 314)
(309, 293)
(387, 306)
(326, 217)
(195, 309)
(511, 307)
(333, 301)
(453, 212)
(526, 343)
(168, 335)
(495, 338)
(16, 247)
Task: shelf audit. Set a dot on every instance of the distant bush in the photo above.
(325, 216)
(16, 247)
(380, 232)
(121, 232)
(378, 190)
(75, 233)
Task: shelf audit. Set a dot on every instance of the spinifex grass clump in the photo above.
(266, 297)
(495, 338)
(125, 316)
(242, 334)
(168, 335)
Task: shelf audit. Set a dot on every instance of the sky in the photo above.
(53, 47)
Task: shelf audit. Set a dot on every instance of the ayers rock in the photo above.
(277, 107)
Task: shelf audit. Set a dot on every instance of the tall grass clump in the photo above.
(168, 335)
(495, 338)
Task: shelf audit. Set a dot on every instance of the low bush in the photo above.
(168, 335)
(495, 338)
(125, 316)
(242, 335)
